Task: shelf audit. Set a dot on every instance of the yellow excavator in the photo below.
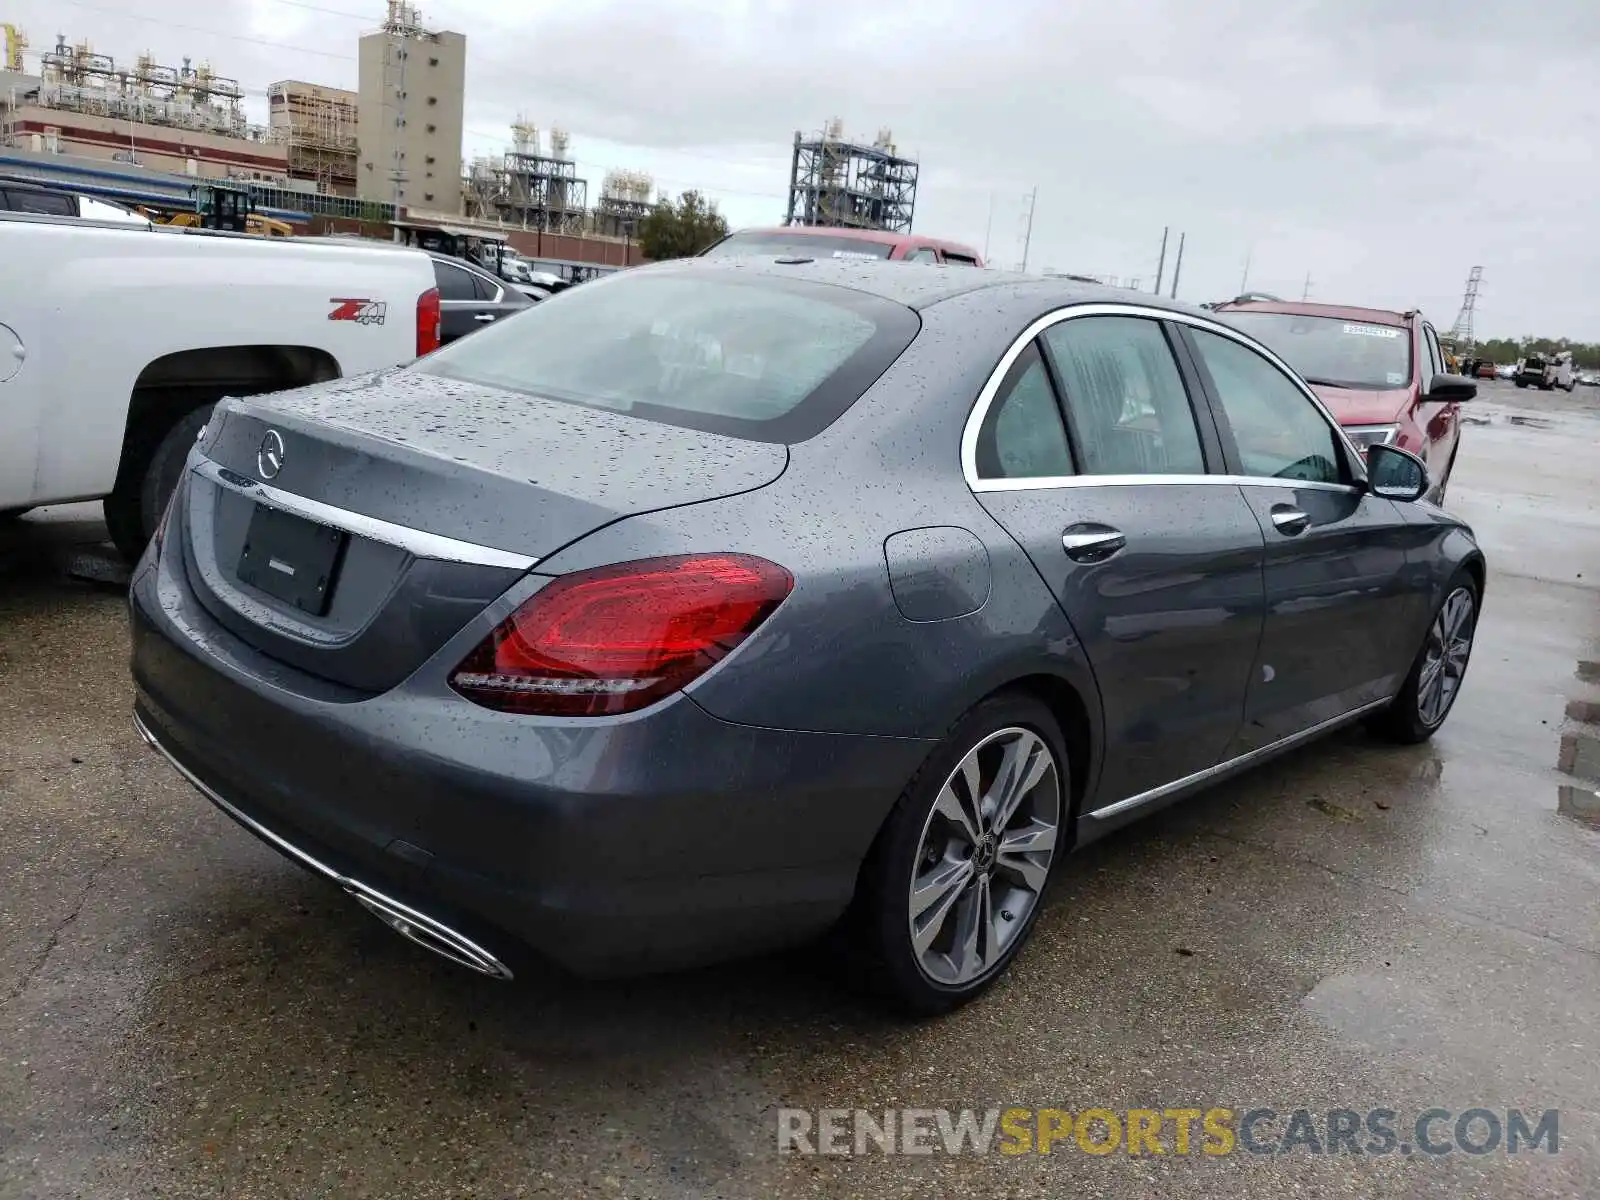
(220, 206)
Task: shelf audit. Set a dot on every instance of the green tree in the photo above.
(681, 230)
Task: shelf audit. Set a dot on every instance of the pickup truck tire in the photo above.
(134, 509)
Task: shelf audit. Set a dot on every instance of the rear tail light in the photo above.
(428, 320)
(619, 638)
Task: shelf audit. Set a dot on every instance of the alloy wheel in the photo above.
(984, 856)
(1444, 660)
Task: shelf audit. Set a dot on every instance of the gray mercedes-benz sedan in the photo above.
(722, 603)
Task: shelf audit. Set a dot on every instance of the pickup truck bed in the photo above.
(116, 339)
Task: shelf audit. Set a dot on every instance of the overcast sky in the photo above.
(1384, 148)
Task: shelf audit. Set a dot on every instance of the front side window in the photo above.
(1022, 436)
(924, 254)
(1435, 356)
(1277, 429)
(1129, 408)
(759, 358)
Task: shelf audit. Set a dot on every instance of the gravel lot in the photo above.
(184, 1013)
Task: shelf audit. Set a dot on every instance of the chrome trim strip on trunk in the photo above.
(414, 541)
(403, 919)
(1233, 764)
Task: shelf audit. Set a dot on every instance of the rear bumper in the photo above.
(613, 847)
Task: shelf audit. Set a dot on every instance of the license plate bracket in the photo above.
(291, 558)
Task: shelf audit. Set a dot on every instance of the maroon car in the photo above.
(1381, 374)
(823, 241)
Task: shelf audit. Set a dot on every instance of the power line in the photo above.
(233, 37)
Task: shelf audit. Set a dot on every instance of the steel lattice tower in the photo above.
(1461, 331)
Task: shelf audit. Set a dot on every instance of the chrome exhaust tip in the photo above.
(404, 920)
(428, 933)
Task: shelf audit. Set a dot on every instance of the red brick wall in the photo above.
(577, 249)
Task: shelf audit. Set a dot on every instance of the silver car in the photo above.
(716, 605)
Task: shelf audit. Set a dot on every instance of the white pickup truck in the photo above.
(116, 339)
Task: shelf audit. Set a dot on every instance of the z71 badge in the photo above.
(363, 312)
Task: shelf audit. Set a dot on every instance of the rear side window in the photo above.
(924, 254)
(769, 359)
(959, 260)
(454, 283)
(53, 204)
(1129, 408)
(1022, 435)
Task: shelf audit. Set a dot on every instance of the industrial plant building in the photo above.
(316, 125)
(409, 119)
(184, 119)
(836, 181)
(327, 159)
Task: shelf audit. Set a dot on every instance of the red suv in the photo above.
(1380, 373)
(824, 241)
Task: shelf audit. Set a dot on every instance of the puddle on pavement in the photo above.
(1580, 803)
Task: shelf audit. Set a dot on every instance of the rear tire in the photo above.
(958, 874)
(147, 482)
(1434, 682)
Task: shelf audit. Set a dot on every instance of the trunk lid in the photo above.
(416, 501)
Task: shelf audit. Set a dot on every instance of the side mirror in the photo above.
(1451, 389)
(1396, 474)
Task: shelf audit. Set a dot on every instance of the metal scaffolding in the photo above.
(837, 182)
(624, 202)
(318, 126)
(527, 188)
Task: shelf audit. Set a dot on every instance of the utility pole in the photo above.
(1306, 294)
(1161, 264)
(1244, 280)
(1027, 238)
(1177, 267)
(989, 227)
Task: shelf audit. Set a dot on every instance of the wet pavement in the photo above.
(1357, 926)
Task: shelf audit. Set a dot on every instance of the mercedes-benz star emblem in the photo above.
(269, 459)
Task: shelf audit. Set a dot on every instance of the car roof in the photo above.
(922, 285)
(882, 237)
(1306, 308)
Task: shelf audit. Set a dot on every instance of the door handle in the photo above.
(1092, 543)
(1289, 520)
(484, 317)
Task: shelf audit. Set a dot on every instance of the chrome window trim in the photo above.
(980, 409)
(414, 541)
(1049, 482)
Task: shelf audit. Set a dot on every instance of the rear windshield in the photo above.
(782, 243)
(1332, 351)
(772, 360)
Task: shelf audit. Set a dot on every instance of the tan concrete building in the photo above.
(412, 87)
(317, 125)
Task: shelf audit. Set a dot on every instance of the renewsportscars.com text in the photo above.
(1205, 1132)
